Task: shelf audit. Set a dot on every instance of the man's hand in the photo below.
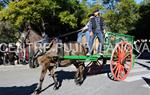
(83, 29)
(104, 31)
(91, 34)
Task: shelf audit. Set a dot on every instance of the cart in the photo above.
(118, 49)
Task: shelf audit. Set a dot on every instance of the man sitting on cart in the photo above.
(96, 28)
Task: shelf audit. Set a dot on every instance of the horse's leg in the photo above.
(43, 73)
(76, 64)
(81, 72)
(53, 75)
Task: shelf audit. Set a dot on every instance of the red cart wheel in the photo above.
(121, 60)
(94, 67)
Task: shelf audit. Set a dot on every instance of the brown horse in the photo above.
(54, 56)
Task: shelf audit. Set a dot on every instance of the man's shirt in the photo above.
(96, 24)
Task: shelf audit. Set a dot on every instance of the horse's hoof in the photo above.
(37, 92)
(75, 80)
(78, 81)
(36, 65)
(31, 65)
(56, 86)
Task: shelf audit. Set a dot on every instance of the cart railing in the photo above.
(111, 39)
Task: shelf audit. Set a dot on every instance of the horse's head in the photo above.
(23, 39)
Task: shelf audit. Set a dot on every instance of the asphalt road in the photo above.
(21, 80)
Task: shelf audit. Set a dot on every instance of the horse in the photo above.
(54, 57)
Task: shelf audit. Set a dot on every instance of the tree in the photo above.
(4, 2)
(145, 2)
(88, 9)
(8, 33)
(58, 16)
(1, 6)
(110, 4)
(141, 30)
(122, 17)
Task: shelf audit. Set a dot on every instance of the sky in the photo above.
(138, 1)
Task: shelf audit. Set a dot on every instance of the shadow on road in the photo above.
(64, 75)
(108, 71)
(145, 55)
(61, 76)
(22, 90)
(148, 62)
(145, 66)
(147, 81)
(47, 87)
(69, 75)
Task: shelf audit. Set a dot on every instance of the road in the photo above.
(21, 80)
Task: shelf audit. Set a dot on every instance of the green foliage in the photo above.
(57, 14)
(25, 11)
(145, 2)
(35, 10)
(1, 6)
(68, 18)
(61, 16)
(141, 30)
(123, 17)
(7, 32)
(88, 10)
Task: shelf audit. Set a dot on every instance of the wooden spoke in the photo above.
(121, 65)
(95, 67)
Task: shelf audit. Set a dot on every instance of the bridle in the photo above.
(22, 40)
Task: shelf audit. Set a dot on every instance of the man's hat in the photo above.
(97, 10)
(90, 15)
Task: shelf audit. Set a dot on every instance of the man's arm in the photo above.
(85, 28)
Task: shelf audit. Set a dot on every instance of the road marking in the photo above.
(146, 86)
(139, 70)
(137, 66)
(137, 77)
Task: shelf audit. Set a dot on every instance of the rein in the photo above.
(51, 43)
(52, 39)
(67, 34)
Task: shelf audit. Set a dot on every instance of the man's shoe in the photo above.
(100, 53)
(88, 54)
